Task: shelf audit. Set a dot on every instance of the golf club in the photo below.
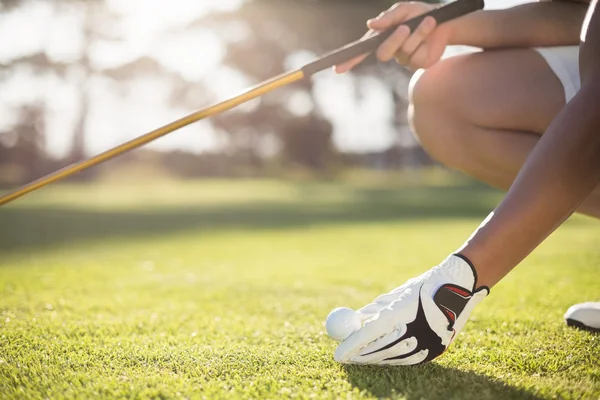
(441, 14)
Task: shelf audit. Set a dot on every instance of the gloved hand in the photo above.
(417, 321)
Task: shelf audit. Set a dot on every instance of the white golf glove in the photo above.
(416, 322)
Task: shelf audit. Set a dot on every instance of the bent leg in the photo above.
(483, 113)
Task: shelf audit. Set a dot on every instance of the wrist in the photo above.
(459, 270)
(481, 257)
(486, 272)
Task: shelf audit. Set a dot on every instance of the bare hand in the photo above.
(421, 49)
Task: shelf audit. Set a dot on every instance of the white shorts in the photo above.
(564, 62)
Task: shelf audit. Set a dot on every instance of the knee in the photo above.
(436, 124)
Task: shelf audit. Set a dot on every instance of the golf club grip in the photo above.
(441, 14)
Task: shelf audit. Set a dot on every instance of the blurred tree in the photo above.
(22, 149)
(272, 32)
(79, 68)
(307, 142)
(96, 25)
(8, 4)
(262, 38)
(275, 29)
(45, 66)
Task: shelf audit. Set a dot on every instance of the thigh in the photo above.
(512, 89)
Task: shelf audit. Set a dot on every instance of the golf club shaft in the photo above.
(441, 14)
(69, 170)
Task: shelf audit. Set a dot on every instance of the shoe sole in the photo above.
(580, 325)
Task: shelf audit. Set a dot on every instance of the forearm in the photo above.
(561, 171)
(559, 174)
(554, 23)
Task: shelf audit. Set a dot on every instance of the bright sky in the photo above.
(360, 123)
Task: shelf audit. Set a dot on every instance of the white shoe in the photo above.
(584, 316)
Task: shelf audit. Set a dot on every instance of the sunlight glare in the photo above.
(192, 53)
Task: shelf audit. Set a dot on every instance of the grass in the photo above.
(217, 289)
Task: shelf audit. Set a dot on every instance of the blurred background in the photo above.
(80, 76)
(207, 261)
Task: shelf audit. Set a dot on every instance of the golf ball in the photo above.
(342, 322)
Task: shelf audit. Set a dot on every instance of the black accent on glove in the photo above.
(451, 300)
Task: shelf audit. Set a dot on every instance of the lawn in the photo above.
(219, 289)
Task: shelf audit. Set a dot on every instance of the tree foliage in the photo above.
(260, 38)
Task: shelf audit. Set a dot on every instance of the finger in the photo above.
(384, 300)
(393, 16)
(386, 51)
(387, 321)
(413, 359)
(432, 52)
(383, 342)
(394, 349)
(419, 35)
(402, 310)
(348, 65)
(410, 45)
(420, 58)
(377, 305)
(359, 340)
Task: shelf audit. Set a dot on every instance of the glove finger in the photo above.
(383, 300)
(413, 359)
(383, 341)
(377, 327)
(381, 353)
(394, 317)
(377, 305)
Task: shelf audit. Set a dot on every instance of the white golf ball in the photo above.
(342, 322)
